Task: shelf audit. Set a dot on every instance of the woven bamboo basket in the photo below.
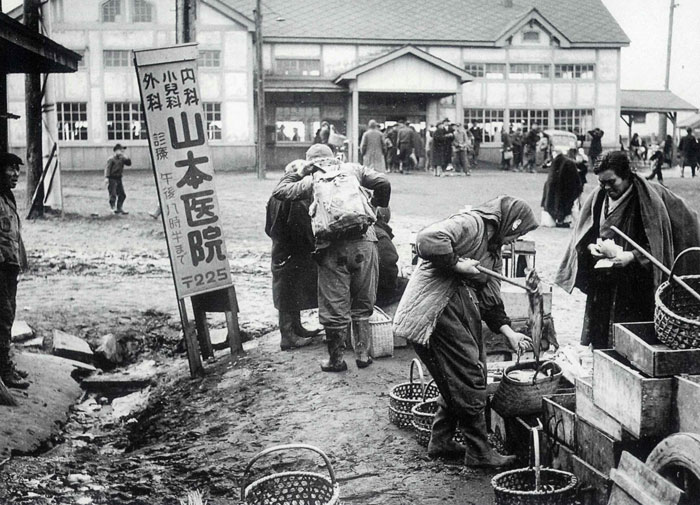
(403, 397)
(514, 398)
(535, 485)
(677, 312)
(423, 415)
(382, 339)
(291, 488)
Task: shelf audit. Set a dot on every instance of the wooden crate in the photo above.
(638, 343)
(686, 404)
(515, 433)
(593, 485)
(586, 410)
(559, 418)
(556, 455)
(641, 404)
(603, 452)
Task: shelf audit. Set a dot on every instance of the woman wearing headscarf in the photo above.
(441, 313)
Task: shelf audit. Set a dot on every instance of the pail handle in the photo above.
(425, 391)
(287, 447)
(675, 262)
(540, 368)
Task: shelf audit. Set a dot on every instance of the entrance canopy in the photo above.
(406, 70)
(25, 51)
(658, 101)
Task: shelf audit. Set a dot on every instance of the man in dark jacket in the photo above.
(531, 140)
(596, 147)
(390, 286)
(405, 146)
(442, 146)
(688, 152)
(113, 174)
(294, 272)
(348, 264)
(478, 134)
(12, 259)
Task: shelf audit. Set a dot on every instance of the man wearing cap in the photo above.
(113, 174)
(12, 259)
(347, 265)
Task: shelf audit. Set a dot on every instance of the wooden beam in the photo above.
(32, 92)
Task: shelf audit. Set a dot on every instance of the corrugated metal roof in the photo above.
(646, 100)
(586, 22)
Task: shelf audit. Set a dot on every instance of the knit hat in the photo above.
(319, 151)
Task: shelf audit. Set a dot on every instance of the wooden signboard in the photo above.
(639, 403)
(184, 173)
(638, 343)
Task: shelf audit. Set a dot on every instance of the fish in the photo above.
(535, 311)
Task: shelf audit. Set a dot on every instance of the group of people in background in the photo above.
(447, 147)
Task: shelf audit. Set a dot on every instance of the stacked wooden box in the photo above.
(631, 402)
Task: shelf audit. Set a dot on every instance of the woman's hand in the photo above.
(466, 266)
(595, 251)
(518, 341)
(623, 259)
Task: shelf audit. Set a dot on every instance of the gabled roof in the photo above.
(352, 74)
(532, 16)
(231, 13)
(692, 122)
(645, 100)
(585, 23)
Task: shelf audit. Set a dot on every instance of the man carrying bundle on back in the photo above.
(342, 220)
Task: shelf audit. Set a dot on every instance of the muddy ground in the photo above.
(94, 273)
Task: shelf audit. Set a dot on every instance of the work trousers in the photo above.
(8, 306)
(116, 192)
(460, 161)
(347, 282)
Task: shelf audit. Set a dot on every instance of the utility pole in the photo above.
(185, 15)
(259, 72)
(33, 99)
(667, 82)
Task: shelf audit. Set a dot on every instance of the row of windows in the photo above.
(531, 70)
(577, 121)
(122, 58)
(125, 121)
(311, 67)
(112, 11)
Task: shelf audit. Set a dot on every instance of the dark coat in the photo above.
(388, 262)
(294, 274)
(562, 188)
(442, 147)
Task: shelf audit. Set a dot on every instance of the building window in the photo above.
(577, 121)
(574, 71)
(490, 121)
(488, 70)
(212, 113)
(142, 12)
(125, 121)
(531, 36)
(111, 10)
(297, 124)
(529, 71)
(116, 58)
(525, 118)
(209, 58)
(72, 120)
(298, 67)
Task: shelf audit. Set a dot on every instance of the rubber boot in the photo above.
(300, 330)
(9, 374)
(335, 340)
(362, 342)
(290, 340)
(442, 444)
(479, 451)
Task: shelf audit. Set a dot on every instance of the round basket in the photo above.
(677, 312)
(514, 398)
(535, 486)
(299, 488)
(403, 397)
